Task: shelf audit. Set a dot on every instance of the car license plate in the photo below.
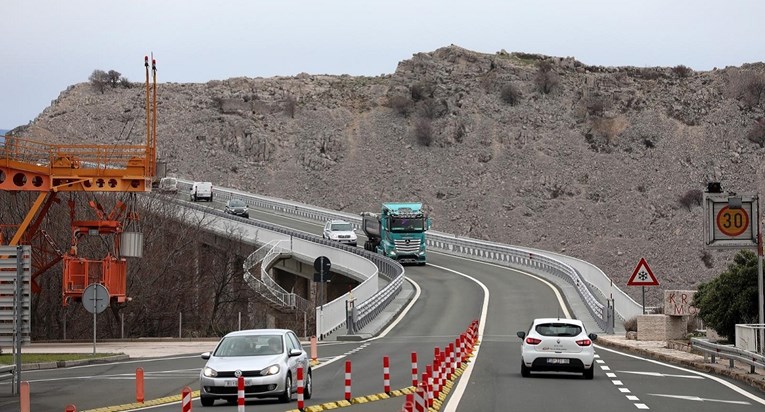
(557, 360)
(234, 382)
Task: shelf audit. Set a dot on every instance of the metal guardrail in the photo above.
(523, 258)
(390, 270)
(730, 352)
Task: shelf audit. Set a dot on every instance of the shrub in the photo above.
(99, 79)
(401, 104)
(682, 71)
(757, 133)
(707, 258)
(511, 94)
(460, 131)
(431, 109)
(124, 82)
(597, 105)
(423, 131)
(630, 325)
(690, 198)
(114, 77)
(547, 78)
(748, 87)
(421, 91)
(731, 297)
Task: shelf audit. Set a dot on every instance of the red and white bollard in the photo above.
(428, 379)
(409, 403)
(457, 354)
(414, 369)
(348, 380)
(436, 375)
(386, 375)
(300, 388)
(186, 399)
(444, 370)
(420, 401)
(69, 408)
(240, 393)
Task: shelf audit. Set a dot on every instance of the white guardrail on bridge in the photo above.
(591, 284)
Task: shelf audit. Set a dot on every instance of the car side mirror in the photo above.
(521, 334)
(206, 355)
(593, 337)
(295, 352)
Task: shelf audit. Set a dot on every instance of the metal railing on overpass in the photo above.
(591, 284)
(329, 316)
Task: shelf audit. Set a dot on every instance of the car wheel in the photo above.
(287, 395)
(206, 400)
(246, 215)
(589, 373)
(308, 390)
(525, 371)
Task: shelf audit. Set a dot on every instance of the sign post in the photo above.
(643, 276)
(733, 221)
(95, 298)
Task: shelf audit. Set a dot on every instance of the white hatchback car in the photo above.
(553, 344)
(341, 231)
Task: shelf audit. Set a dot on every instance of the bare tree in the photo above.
(99, 79)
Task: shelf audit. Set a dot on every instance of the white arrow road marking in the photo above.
(666, 375)
(729, 385)
(698, 399)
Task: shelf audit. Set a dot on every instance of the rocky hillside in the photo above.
(602, 163)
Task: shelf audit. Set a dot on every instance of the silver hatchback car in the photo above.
(267, 359)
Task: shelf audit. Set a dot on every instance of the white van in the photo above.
(201, 190)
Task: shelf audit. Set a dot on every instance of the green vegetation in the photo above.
(730, 298)
(7, 358)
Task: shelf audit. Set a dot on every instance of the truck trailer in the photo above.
(397, 232)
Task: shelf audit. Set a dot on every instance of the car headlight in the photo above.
(210, 372)
(271, 370)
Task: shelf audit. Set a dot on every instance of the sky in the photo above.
(48, 45)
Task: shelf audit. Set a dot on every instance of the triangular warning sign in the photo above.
(642, 275)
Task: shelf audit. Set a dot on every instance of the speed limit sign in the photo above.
(731, 220)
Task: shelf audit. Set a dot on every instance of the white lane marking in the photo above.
(400, 317)
(624, 390)
(633, 398)
(605, 368)
(459, 391)
(336, 358)
(610, 375)
(642, 406)
(617, 382)
(698, 399)
(666, 375)
(596, 356)
(554, 289)
(599, 361)
(714, 378)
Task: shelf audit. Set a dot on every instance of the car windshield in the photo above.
(341, 227)
(558, 329)
(255, 345)
(400, 224)
(236, 203)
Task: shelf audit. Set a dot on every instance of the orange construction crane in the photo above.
(27, 165)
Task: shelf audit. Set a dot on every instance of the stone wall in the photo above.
(661, 327)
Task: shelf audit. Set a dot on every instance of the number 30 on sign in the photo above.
(732, 222)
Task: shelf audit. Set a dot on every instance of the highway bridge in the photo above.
(503, 287)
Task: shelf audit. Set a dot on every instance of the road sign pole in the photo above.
(643, 287)
(95, 311)
(760, 296)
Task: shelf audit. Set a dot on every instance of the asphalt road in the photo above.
(453, 292)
